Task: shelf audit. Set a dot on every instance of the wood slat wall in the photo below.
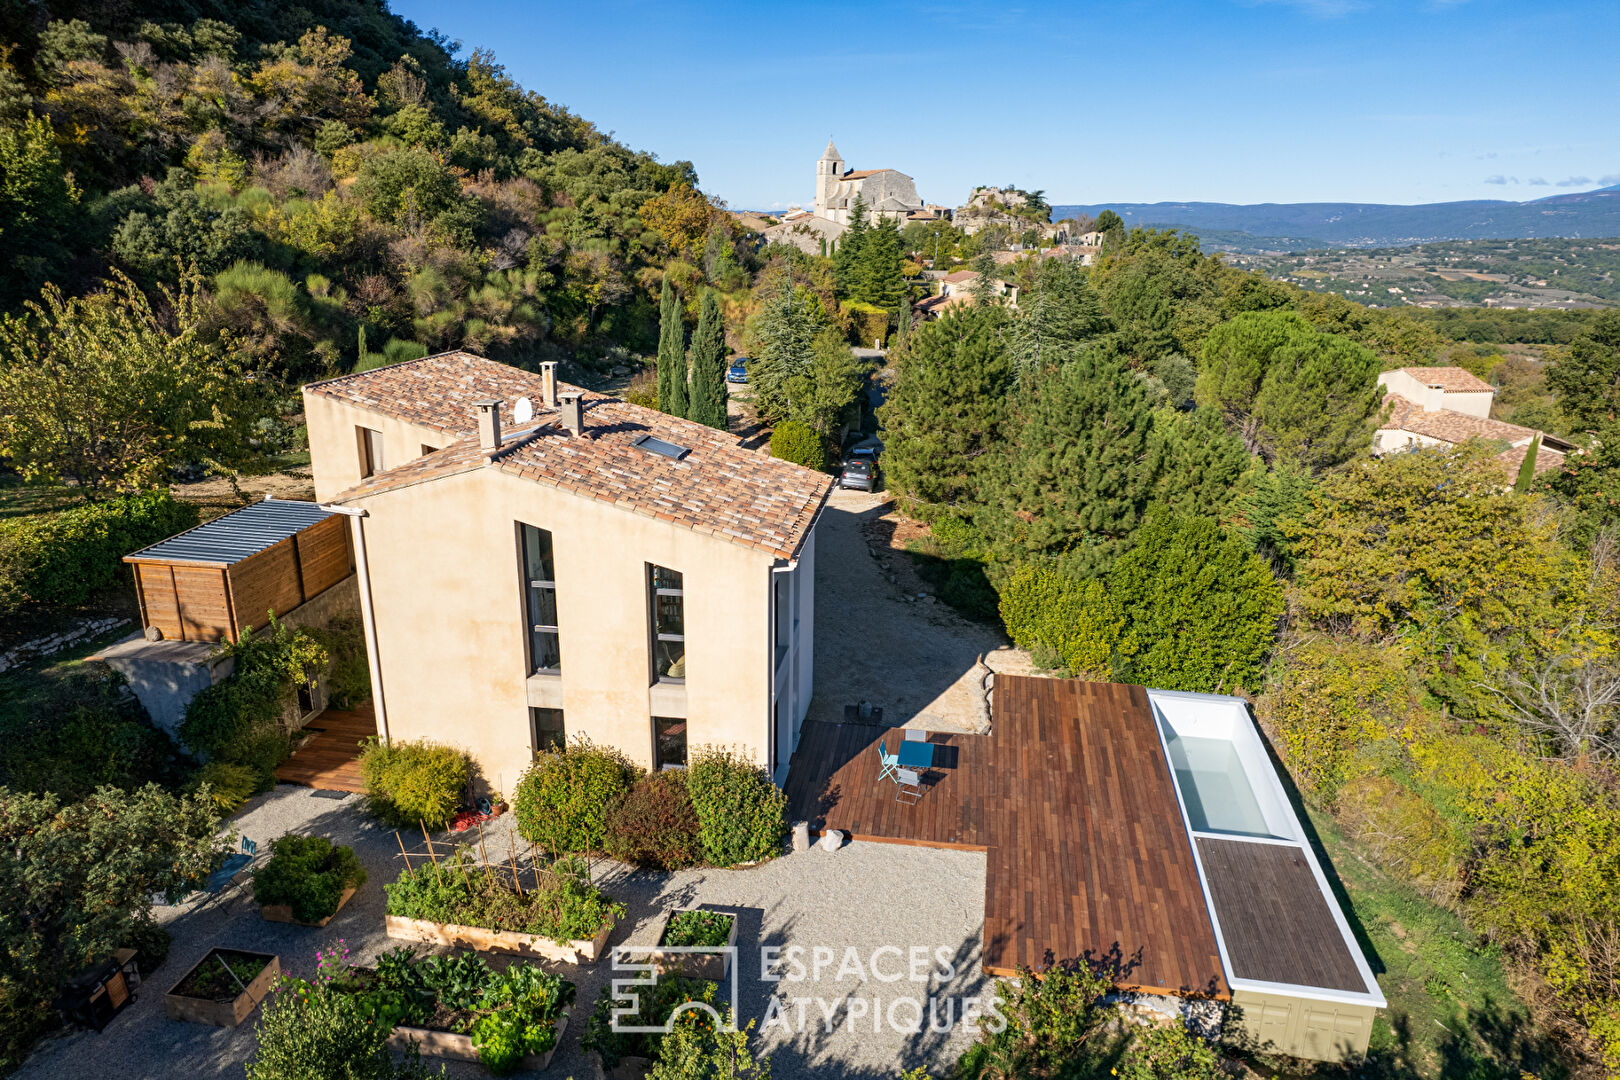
(205, 613)
(264, 582)
(155, 583)
(1073, 803)
(324, 555)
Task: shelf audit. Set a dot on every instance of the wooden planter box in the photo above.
(628, 1068)
(713, 966)
(283, 912)
(504, 941)
(448, 1044)
(222, 1013)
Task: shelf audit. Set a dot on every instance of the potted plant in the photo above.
(697, 928)
(551, 915)
(307, 880)
(223, 987)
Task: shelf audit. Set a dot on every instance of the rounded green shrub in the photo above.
(1062, 620)
(308, 873)
(567, 797)
(229, 784)
(798, 443)
(414, 782)
(742, 816)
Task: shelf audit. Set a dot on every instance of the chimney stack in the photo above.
(489, 425)
(548, 383)
(573, 415)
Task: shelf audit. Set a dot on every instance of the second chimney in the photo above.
(548, 383)
(489, 425)
(573, 415)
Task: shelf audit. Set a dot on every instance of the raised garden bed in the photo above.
(223, 988)
(628, 1068)
(432, 1042)
(628, 1055)
(503, 941)
(306, 880)
(548, 915)
(701, 928)
(283, 913)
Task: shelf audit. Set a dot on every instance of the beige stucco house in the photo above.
(536, 561)
(1445, 406)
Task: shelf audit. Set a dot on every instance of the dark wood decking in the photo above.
(330, 760)
(1072, 801)
(1275, 921)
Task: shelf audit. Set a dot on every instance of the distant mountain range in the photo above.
(1296, 226)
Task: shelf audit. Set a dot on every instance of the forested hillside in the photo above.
(346, 187)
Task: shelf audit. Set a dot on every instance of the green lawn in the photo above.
(18, 498)
(1451, 1012)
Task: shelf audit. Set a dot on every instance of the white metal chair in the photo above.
(916, 735)
(910, 786)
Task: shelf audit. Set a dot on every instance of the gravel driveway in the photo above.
(865, 898)
(915, 658)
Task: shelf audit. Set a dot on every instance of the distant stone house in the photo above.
(958, 288)
(1447, 406)
(886, 193)
(810, 234)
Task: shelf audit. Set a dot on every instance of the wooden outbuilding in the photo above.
(225, 576)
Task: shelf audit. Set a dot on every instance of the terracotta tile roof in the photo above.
(862, 174)
(1512, 459)
(1453, 380)
(961, 275)
(1447, 425)
(718, 487)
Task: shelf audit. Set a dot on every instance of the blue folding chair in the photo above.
(234, 864)
(889, 761)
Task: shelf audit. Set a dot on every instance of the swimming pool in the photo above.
(1215, 786)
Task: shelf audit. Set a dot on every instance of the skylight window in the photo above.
(654, 445)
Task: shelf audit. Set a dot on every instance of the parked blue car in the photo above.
(738, 372)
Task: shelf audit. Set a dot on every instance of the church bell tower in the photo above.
(828, 170)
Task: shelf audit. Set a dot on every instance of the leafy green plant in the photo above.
(565, 799)
(519, 1010)
(229, 785)
(309, 873)
(348, 674)
(654, 1009)
(456, 979)
(221, 975)
(564, 906)
(698, 928)
(799, 443)
(1063, 620)
(656, 825)
(61, 558)
(319, 1031)
(414, 782)
(742, 816)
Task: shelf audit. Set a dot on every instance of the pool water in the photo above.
(1215, 787)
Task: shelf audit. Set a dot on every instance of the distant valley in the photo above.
(1286, 227)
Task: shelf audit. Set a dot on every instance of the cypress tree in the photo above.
(879, 281)
(680, 391)
(1527, 467)
(708, 404)
(847, 265)
(671, 350)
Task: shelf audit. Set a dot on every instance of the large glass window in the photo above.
(540, 579)
(669, 742)
(546, 729)
(668, 624)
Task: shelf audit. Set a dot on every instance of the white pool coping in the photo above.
(1218, 716)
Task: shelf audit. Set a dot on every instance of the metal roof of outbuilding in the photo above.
(237, 535)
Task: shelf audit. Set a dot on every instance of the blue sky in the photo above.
(1131, 101)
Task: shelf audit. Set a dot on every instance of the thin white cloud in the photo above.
(1500, 179)
(1537, 181)
(1606, 181)
(1575, 181)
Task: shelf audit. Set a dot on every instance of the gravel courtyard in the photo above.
(862, 899)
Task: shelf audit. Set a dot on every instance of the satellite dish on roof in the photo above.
(523, 411)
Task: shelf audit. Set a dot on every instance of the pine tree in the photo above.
(847, 270)
(783, 333)
(1062, 309)
(1077, 481)
(708, 405)
(671, 349)
(946, 410)
(878, 279)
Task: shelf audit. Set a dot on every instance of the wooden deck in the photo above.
(330, 760)
(1072, 800)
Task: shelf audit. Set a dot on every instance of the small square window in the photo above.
(546, 730)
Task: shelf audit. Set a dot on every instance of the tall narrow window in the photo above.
(668, 624)
(540, 578)
(546, 729)
(669, 742)
(371, 451)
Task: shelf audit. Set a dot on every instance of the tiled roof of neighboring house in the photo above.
(718, 487)
(1453, 380)
(930, 305)
(1512, 460)
(961, 276)
(1447, 425)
